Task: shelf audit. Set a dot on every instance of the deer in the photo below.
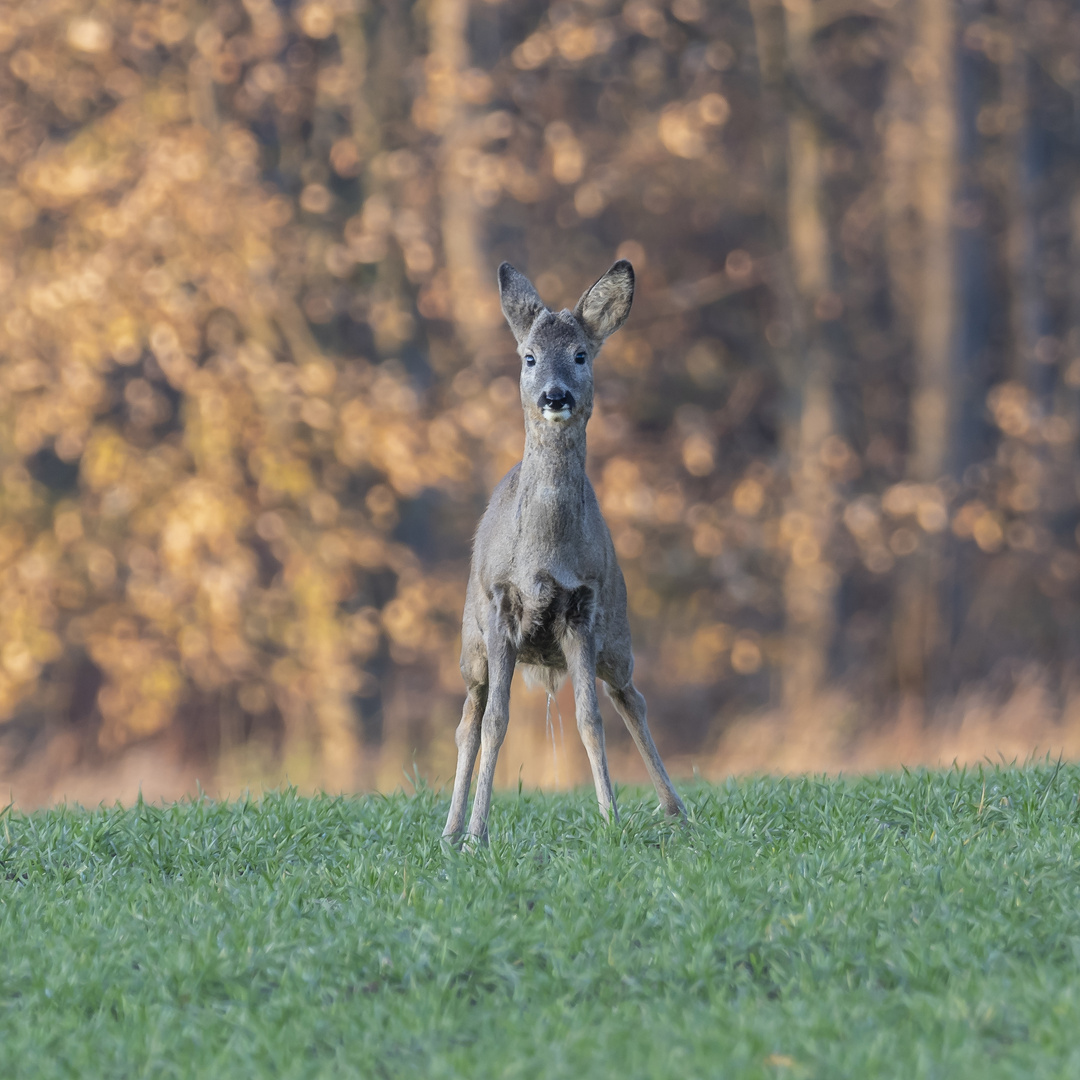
(545, 589)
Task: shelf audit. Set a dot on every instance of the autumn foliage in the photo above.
(254, 385)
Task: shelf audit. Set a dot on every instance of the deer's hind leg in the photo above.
(630, 705)
(467, 739)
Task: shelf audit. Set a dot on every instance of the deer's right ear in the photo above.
(521, 303)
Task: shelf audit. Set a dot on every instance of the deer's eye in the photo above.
(580, 358)
(530, 360)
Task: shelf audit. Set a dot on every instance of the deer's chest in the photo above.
(550, 522)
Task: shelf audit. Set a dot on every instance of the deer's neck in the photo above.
(551, 484)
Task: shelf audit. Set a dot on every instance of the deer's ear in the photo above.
(603, 308)
(521, 303)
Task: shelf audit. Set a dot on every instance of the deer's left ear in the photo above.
(603, 308)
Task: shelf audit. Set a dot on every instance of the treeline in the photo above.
(255, 386)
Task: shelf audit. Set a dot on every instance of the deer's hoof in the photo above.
(472, 844)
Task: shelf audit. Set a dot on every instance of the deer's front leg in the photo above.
(468, 742)
(502, 655)
(579, 647)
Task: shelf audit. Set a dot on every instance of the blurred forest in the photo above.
(255, 387)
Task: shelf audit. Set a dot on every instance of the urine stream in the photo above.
(549, 729)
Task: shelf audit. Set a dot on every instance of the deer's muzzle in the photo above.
(556, 403)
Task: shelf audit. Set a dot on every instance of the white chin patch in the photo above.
(558, 415)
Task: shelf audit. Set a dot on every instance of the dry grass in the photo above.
(542, 751)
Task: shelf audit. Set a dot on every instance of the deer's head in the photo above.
(557, 348)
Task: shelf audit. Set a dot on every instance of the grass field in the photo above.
(917, 925)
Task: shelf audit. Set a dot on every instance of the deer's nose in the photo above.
(556, 398)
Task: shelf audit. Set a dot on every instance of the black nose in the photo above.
(556, 398)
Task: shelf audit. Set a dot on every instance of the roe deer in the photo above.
(545, 589)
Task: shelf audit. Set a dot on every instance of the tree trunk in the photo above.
(473, 301)
(1027, 309)
(793, 161)
(918, 626)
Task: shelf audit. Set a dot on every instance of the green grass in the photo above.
(920, 925)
